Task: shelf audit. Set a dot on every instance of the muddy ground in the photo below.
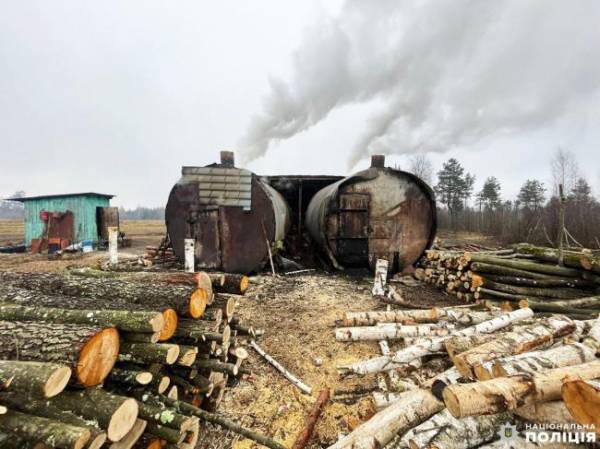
(297, 314)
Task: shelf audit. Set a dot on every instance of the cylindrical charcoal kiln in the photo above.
(378, 213)
(229, 212)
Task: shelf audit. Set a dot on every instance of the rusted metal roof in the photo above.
(221, 186)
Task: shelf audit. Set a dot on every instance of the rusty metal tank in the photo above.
(229, 212)
(376, 213)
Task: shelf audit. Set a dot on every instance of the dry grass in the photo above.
(145, 228)
(11, 231)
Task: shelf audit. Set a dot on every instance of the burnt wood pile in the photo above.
(454, 377)
(86, 362)
(523, 275)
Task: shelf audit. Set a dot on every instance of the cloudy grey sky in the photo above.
(116, 96)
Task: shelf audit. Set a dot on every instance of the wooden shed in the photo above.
(67, 218)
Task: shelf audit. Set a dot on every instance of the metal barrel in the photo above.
(378, 213)
(230, 213)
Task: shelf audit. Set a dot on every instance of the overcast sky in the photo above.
(115, 96)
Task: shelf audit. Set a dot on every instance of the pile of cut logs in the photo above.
(86, 361)
(524, 274)
(161, 254)
(459, 375)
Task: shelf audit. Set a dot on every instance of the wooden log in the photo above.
(289, 376)
(537, 283)
(236, 284)
(444, 431)
(303, 438)
(226, 304)
(391, 331)
(48, 431)
(149, 353)
(547, 413)
(538, 335)
(187, 301)
(439, 382)
(90, 351)
(30, 404)
(526, 265)
(569, 258)
(372, 318)
(501, 270)
(12, 441)
(431, 345)
(35, 299)
(40, 379)
(130, 321)
(133, 378)
(457, 345)
(215, 365)
(508, 393)
(223, 422)
(551, 307)
(582, 399)
(116, 414)
(132, 437)
(564, 355)
(552, 292)
(187, 355)
(412, 408)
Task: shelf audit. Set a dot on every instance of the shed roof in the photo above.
(62, 195)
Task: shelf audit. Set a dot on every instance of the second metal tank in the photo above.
(376, 213)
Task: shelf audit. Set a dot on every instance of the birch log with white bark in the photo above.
(429, 346)
(391, 331)
(509, 393)
(412, 408)
(447, 432)
(553, 412)
(564, 355)
(536, 336)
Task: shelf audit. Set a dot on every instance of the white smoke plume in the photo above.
(445, 73)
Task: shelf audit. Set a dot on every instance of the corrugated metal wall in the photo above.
(83, 208)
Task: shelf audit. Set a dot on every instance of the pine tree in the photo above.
(454, 187)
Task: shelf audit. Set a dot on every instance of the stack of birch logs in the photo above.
(461, 374)
(136, 364)
(524, 274)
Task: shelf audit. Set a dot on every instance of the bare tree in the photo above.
(421, 166)
(565, 170)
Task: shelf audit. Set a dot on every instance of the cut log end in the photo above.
(97, 358)
(172, 354)
(129, 440)
(164, 383)
(198, 302)
(143, 378)
(244, 284)
(96, 442)
(57, 381)
(583, 402)
(157, 322)
(122, 420)
(170, 321)
(452, 402)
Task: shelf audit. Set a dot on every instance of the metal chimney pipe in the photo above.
(378, 161)
(227, 159)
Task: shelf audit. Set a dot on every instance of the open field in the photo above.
(11, 231)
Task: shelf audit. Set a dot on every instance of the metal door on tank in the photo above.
(208, 238)
(353, 228)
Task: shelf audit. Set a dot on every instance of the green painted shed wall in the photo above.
(84, 215)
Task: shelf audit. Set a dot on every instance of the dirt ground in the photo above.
(297, 314)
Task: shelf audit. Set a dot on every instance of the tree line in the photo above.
(533, 216)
